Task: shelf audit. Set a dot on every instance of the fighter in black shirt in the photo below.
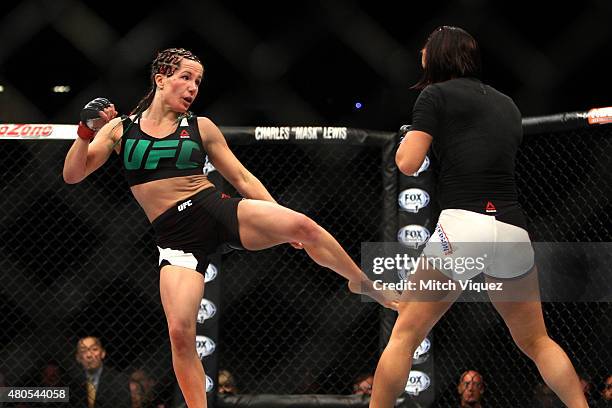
(475, 132)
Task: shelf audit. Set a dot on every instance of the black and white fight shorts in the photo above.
(197, 227)
(467, 243)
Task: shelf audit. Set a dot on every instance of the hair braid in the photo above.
(166, 62)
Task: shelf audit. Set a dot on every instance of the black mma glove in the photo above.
(402, 132)
(89, 113)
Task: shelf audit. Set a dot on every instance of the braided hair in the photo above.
(166, 62)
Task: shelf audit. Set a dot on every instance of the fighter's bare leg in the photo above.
(525, 320)
(181, 291)
(418, 313)
(264, 224)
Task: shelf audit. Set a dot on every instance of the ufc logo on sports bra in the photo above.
(136, 151)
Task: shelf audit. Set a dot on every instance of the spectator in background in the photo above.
(470, 389)
(97, 385)
(227, 383)
(143, 390)
(606, 393)
(587, 388)
(51, 375)
(363, 384)
(544, 397)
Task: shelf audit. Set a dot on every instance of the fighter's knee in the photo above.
(409, 335)
(305, 229)
(530, 345)
(182, 336)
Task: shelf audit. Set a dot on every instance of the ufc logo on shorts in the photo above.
(184, 205)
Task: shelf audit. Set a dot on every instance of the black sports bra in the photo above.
(146, 158)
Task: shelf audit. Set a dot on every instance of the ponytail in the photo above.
(144, 102)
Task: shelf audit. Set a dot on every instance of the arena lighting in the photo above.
(61, 88)
(1, 88)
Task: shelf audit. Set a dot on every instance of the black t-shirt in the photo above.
(476, 133)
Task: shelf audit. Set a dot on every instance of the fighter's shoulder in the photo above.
(112, 129)
(208, 129)
(205, 122)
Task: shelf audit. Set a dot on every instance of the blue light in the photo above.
(358, 105)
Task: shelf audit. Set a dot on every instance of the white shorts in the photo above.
(465, 244)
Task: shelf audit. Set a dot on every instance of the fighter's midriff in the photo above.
(157, 196)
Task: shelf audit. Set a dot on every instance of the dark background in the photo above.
(296, 62)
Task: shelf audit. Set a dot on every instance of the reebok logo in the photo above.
(184, 205)
(490, 208)
(184, 134)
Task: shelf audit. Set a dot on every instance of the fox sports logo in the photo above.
(413, 235)
(421, 353)
(413, 199)
(211, 273)
(210, 385)
(205, 346)
(418, 382)
(207, 310)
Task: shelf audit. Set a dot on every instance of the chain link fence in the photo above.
(80, 260)
(288, 325)
(565, 185)
(75, 261)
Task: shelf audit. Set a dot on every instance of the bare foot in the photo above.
(387, 298)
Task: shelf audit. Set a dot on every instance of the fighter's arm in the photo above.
(412, 151)
(426, 118)
(228, 165)
(84, 157)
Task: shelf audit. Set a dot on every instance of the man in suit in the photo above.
(98, 386)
